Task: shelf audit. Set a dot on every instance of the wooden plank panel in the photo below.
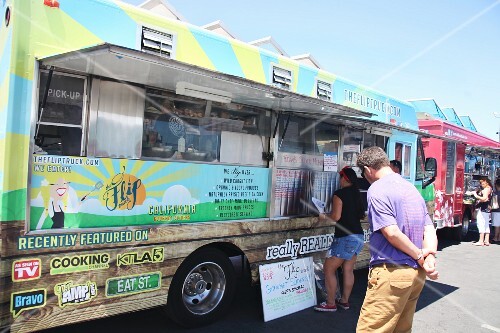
(170, 233)
(52, 315)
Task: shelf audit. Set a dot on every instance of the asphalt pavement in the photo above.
(466, 298)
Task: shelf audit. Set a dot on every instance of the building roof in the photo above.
(307, 59)
(269, 42)
(162, 8)
(428, 106)
(452, 116)
(220, 28)
(467, 122)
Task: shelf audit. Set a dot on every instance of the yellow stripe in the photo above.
(250, 61)
(13, 159)
(47, 32)
(293, 66)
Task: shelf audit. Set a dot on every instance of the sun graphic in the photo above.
(123, 191)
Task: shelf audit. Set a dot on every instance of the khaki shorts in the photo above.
(391, 299)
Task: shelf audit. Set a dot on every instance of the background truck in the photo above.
(462, 155)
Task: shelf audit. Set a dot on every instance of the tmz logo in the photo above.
(26, 269)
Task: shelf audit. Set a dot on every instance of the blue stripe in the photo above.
(220, 52)
(268, 59)
(306, 80)
(95, 17)
(17, 117)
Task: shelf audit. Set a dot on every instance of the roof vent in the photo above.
(157, 42)
(324, 91)
(282, 78)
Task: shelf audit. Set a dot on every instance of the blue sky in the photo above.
(448, 50)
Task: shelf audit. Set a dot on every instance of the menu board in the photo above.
(287, 287)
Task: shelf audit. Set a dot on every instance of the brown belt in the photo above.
(389, 265)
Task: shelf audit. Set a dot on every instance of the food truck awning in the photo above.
(133, 66)
(379, 127)
(454, 132)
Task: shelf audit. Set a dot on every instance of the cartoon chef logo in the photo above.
(58, 198)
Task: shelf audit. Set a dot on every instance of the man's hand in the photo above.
(430, 266)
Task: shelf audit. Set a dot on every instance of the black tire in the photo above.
(456, 233)
(202, 289)
(465, 225)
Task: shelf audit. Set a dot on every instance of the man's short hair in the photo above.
(373, 157)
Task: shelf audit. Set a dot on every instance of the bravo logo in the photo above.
(25, 300)
(26, 269)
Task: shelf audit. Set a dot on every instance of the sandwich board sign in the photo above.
(287, 287)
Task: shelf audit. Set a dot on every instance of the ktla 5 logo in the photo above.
(26, 269)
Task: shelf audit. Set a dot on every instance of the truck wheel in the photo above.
(465, 225)
(202, 289)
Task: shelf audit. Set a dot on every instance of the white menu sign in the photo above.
(287, 287)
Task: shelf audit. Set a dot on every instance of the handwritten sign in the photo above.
(287, 287)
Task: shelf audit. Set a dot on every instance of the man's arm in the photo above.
(430, 242)
(401, 242)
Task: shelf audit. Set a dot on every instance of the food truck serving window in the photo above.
(450, 167)
(420, 169)
(185, 128)
(60, 119)
(306, 136)
(403, 153)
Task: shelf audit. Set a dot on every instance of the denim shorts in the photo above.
(346, 247)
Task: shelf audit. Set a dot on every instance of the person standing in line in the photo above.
(483, 196)
(396, 166)
(403, 244)
(347, 211)
(495, 213)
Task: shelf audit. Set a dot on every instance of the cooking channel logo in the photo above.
(26, 269)
(79, 263)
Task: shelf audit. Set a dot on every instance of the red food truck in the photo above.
(462, 156)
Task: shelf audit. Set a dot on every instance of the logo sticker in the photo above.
(25, 300)
(79, 263)
(133, 284)
(26, 269)
(69, 293)
(134, 258)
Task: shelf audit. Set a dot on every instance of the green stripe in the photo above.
(13, 205)
(427, 193)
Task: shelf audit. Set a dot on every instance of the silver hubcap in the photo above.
(204, 288)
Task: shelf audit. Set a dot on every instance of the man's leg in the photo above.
(405, 321)
(389, 289)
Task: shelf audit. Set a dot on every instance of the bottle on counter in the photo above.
(181, 145)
